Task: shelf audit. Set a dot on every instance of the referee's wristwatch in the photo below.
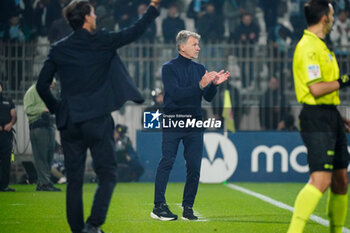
(344, 81)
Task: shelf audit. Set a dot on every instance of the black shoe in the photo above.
(88, 228)
(163, 213)
(47, 187)
(187, 214)
(7, 189)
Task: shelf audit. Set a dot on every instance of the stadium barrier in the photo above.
(234, 157)
(251, 66)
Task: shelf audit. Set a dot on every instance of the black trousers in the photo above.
(323, 132)
(193, 150)
(5, 158)
(97, 135)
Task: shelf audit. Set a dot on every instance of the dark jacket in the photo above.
(273, 109)
(211, 28)
(94, 81)
(170, 28)
(245, 30)
(182, 94)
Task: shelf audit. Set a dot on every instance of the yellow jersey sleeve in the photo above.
(311, 67)
(313, 62)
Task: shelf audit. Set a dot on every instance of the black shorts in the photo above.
(323, 133)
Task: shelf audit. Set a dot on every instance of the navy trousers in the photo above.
(193, 150)
(5, 158)
(97, 135)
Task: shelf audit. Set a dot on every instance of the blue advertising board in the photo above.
(238, 157)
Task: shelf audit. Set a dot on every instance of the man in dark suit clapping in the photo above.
(94, 82)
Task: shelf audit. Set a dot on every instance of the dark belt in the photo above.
(321, 106)
(40, 124)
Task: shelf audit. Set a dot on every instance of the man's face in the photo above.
(142, 9)
(247, 20)
(342, 16)
(210, 8)
(14, 20)
(191, 48)
(330, 20)
(160, 98)
(173, 11)
(116, 135)
(273, 84)
(91, 19)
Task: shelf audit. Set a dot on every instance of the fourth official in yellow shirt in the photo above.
(317, 83)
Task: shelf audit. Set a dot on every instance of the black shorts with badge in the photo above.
(323, 133)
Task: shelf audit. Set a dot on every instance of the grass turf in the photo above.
(222, 209)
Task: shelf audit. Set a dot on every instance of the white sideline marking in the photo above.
(201, 218)
(281, 205)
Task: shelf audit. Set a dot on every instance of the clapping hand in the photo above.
(207, 78)
(221, 77)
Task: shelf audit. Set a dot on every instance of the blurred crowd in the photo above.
(234, 21)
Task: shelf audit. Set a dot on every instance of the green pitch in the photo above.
(220, 208)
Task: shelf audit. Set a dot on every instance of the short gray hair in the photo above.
(182, 37)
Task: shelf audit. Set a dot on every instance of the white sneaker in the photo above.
(62, 180)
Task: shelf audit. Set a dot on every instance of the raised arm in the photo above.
(132, 33)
